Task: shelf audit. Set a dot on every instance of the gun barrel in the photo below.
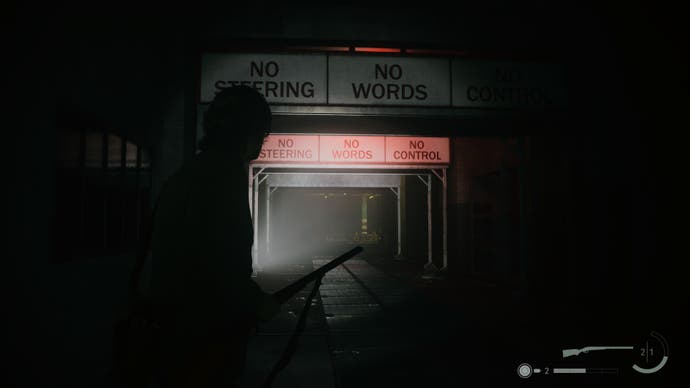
(287, 292)
(594, 348)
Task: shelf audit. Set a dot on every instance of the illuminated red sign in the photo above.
(351, 149)
(412, 150)
(290, 148)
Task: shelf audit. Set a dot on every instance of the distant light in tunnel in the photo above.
(371, 197)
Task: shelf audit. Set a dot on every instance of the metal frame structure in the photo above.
(261, 175)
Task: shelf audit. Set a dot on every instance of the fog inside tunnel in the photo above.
(308, 223)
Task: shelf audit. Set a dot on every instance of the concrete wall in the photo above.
(61, 315)
(474, 158)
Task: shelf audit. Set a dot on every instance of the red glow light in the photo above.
(376, 50)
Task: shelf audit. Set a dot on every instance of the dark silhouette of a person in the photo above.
(201, 249)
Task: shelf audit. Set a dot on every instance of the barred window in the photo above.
(102, 191)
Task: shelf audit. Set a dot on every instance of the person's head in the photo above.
(237, 121)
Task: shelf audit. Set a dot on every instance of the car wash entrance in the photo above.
(313, 195)
(344, 163)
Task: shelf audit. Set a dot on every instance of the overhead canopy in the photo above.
(358, 151)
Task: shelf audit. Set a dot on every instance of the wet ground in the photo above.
(365, 328)
(381, 323)
(376, 322)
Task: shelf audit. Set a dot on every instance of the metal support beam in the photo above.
(440, 177)
(430, 267)
(255, 214)
(399, 224)
(445, 221)
(423, 180)
(269, 192)
(255, 222)
(267, 248)
(396, 191)
(430, 262)
(443, 177)
(250, 176)
(250, 184)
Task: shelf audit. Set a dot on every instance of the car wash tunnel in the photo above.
(492, 169)
(353, 203)
(371, 319)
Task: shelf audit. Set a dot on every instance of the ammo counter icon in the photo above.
(651, 355)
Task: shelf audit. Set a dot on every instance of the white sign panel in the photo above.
(368, 80)
(281, 78)
(378, 80)
(491, 84)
